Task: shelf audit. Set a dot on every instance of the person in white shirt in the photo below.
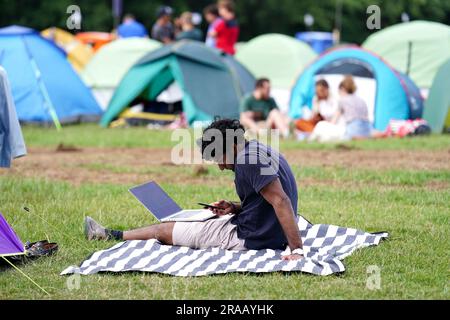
(323, 109)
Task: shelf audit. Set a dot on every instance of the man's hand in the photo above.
(292, 257)
(226, 207)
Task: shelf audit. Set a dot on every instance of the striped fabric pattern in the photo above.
(324, 246)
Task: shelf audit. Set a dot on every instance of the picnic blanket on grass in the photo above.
(324, 246)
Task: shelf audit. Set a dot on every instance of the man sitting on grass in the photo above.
(260, 111)
(265, 218)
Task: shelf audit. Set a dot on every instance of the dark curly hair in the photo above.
(229, 131)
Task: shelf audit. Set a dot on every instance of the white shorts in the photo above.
(213, 233)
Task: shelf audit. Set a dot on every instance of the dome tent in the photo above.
(278, 57)
(45, 87)
(78, 53)
(112, 62)
(416, 48)
(388, 94)
(212, 84)
(437, 106)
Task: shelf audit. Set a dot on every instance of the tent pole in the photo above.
(42, 88)
(20, 271)
(408, 64)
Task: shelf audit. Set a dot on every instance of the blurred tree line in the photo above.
(255, 16)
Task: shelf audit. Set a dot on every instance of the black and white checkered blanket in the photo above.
(324, 246)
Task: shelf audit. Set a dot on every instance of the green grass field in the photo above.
(412, 205)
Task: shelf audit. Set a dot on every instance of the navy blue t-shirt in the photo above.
(256, 166)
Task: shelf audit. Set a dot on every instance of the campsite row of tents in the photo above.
(391, 69)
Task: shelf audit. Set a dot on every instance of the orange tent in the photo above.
(95, 39)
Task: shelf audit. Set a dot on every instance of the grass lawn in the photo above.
(412, 205)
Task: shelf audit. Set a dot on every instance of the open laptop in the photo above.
(164, 208)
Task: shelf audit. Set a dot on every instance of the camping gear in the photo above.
(324, 247)
(319, 41)
(44, 85)
(12, 145)
(107, 68)
(34, 251)
(278, 57)
(403, 128)
(10, 244)
(78, 53)
(212, 84)
(95, 40)
(387, 93)
(11, 248)
(416, 48)
(437, 105)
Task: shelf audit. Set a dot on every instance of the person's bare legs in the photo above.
(279, 121)
(161, 232)
(247, 120)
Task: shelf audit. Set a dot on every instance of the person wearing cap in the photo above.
(131, 28)
(188, 30)
(163, 29)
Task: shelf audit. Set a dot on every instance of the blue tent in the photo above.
(395, 95)
(45, 87)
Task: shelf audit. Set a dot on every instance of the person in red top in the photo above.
(226, 32)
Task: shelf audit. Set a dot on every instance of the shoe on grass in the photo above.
(93, 230)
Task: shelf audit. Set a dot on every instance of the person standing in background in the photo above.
(131, 28)
(354, 110)
(163, 29)
(211, 14)
(226, 32)
(188, 30)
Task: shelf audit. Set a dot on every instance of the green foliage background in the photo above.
(255, 16)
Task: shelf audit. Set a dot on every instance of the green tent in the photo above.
(212, 83)
(238, 46)
(104, 72)
(437, 106)
(416, 48)
(278, 57)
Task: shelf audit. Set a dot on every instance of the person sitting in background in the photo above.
(211, 14)
(260, 111)
(131, 28)
(163, 29)
(354, 111)
(323, 108)
(188, 30)
(226, 31)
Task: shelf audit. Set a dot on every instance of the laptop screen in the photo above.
(156, 200)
